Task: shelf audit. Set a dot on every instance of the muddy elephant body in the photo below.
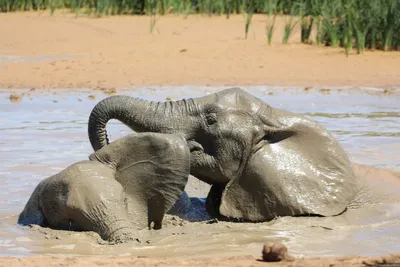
(262, 162)
(126, 186)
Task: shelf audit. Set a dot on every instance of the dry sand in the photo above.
(39, 51)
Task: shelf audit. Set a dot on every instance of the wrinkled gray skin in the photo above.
(263, 162)
(123, 187)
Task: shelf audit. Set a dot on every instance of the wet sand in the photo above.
(114, 52)
(67, 52)
(228, 261)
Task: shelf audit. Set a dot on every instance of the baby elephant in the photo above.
(125, 186)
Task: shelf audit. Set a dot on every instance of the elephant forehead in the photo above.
(158, 141)
(234, 109)
(140, 148)
(233, 114)
(236, 122)
(88, 182)
(239, 99)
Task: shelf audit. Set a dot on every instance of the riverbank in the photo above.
(90, 261)
(62, 51)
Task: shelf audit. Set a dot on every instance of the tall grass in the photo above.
(271, 8)
(153, 14)
(291, 22)
(351, 24)
(249, 11)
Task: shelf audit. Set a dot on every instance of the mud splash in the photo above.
(47, 131)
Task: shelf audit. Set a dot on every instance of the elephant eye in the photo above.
(211, 118)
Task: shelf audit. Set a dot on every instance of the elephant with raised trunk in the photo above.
(263, 162)
(126, 186)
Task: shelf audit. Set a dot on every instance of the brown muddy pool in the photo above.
(46, 131)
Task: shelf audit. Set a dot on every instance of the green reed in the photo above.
(351, 24)
(271, 11)
(153, 13)
(291, 22)
(249, 11)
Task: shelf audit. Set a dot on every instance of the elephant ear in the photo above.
(305, 173)
(153, 169)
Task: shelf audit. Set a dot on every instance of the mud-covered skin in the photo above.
(376, 185)
(124, 187)
(264, 162)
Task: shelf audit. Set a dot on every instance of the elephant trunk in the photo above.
(139, 115)
(115, 227)
(120, 235)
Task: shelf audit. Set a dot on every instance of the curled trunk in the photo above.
(139, 115)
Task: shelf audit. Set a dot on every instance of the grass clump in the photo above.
(351, 24)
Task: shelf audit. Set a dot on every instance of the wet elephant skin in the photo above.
(124, 187)
(262, 162)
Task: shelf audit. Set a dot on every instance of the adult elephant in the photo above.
(263, 162)
(123, 187)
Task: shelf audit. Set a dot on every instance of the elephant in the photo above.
(122, 188)
(262, 162)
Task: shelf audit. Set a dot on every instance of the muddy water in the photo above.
(47, 131)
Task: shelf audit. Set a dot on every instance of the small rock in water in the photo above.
(110, 91)
(91, 97)
(275, 252)
(325, 90)
(387, 91)
(15, 97)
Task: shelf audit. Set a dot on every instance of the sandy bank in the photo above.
(40, 51)
(44, 261)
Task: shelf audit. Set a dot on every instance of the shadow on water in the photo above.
(46, 131)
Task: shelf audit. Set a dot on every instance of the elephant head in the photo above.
(125, 186)
(262, 162)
